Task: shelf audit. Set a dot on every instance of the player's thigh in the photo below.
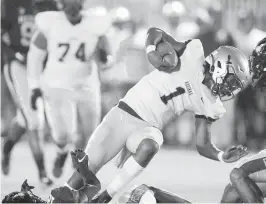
(16, 77)
(89, 111)
(110, 136)
(60, 115)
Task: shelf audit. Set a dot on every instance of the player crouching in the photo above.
(248, 179)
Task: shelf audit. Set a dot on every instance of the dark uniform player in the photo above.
(18, 25)
(245, 177)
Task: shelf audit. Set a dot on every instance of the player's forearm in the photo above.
(209, 150)
(204, 145)
(35, 60)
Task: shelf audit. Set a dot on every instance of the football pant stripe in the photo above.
(12, 88)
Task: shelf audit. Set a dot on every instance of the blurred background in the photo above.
(239, 23)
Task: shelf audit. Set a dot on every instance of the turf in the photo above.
(180, 171)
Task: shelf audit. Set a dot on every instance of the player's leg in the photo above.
(143, 143)
(230, 195)
(245, 187)
(245, 176)
(17, 127)
(108, 140)
(8, 108)
(61, 115)
(89, 115)
(27, 117)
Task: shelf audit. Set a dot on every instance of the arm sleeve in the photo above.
(43, 21)
(35, 59)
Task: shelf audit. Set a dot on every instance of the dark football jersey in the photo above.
(18, 22)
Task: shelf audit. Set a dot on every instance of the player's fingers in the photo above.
(73, 153)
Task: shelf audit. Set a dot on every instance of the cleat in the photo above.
(59, 164)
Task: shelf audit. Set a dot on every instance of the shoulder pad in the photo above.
(44, 19)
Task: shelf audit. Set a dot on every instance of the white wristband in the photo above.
(220, 156)
(150, 48)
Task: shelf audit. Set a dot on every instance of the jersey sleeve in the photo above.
(43, 21)
(212, 111)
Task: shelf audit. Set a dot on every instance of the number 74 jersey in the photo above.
(159, 96)
(70, 47)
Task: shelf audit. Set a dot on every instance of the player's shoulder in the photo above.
(44, 19)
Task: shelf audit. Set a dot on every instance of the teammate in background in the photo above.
(251, 171)
(74, 41)
(186, 82)
(18, 25)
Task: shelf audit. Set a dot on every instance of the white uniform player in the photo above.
(70, 82)
(136, 122)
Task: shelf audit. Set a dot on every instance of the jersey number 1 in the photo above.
(80, 53)
(179, 91)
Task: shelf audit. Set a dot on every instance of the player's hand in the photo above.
(35, 94)
(158, 61)
(234, 153)
(80, 161)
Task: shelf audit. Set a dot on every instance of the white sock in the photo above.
(128, 172)
(66, 184)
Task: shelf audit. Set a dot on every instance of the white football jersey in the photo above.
(159, 96)
(70, 47)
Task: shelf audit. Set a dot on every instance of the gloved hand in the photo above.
(35, 94)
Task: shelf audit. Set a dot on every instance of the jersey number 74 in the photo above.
(79, 54)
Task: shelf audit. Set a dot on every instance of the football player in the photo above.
(18, 25)
(187, 83)
(74, 41)
(247, 174)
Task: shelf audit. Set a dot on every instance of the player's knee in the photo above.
(236, 174)
(148, 148)
(61, 140)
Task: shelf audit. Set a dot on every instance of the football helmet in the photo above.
(257, 64)
(229, 71)
(72, 8)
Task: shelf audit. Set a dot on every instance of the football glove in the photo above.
(35, 94)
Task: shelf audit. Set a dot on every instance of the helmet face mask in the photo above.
(229, 72)
(257, 63)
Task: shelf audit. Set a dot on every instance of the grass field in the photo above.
(179, 171)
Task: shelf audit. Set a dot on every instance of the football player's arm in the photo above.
(203, 140)
(35, 59)
(103, 56)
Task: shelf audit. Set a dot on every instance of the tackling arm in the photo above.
(203, 142)
(35, 59)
